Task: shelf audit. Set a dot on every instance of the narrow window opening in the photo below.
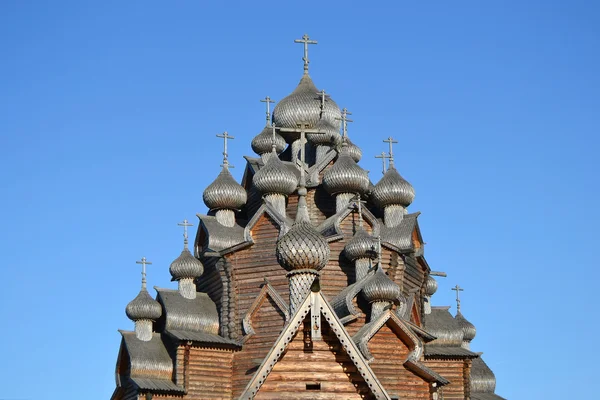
(313, 386)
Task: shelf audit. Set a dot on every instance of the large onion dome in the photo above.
(304, 105)
(468, 328)
(329, 136)
(224, 193)
(362, 245)
(345, 176)
(302, 247)
(186, 266)
(431, 286)
(143, 307)
(393, 189)
(275, 177)
(381, 288)
(263, 142)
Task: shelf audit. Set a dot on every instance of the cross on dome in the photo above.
(144, 262)
(185, 225)
(390, 141)
(383, 156)
(345, 121)
(323, 97)
(306, 41)
(269, 102)
(225, 136)
(458, 289)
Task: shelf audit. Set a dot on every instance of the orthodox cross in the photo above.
(390, 141)
(269, 102)
(225, 136)
(144, 262)
(458, 290)
(345, 121)
(303, 129)
(185, 225)
(323, 97)
(383, 156)
(306, 40)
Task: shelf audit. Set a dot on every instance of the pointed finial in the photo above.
(458, 290)
(345, 121)
(359, 206)
(390, 141)
(306, 41)
(274, 143)
(269, 102)
(225, 136)
(383, 156)
(185, 225)
(302, 213)
(144, 262)
(379, 249)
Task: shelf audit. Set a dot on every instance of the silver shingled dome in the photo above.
(468, 328)
(302, 247)
(430, 286)
(275, 177)
(224, 193)
(143, 307)
(186, 266)
(304, 105)
(345, 176)
(393, 189)
(263, 142)
(381, 288)
(362, 245)
(329, 136)
(354, 151)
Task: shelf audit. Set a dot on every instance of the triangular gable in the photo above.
(408, 336)
(320, 310)
(331, 228)
(266, 291)
(415, 315)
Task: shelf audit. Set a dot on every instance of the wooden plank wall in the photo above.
(205, 372)
(310, 363)
(454, 371)
(390, 353)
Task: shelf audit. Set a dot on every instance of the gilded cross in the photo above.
(269, 102)
(390, 141)
(144, 262)
(225, 136)
(383, 156)
(458, 290)
(306, 41)
(345, 121)
(185, 225)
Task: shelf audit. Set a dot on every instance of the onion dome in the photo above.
(393, 189)
(304, 105)
(345, 176)
(275, 177)
(381, 288)
(468, 328)
(186, 266)
(354, 151)
(263, 142)
(482, 379)
(143, 307)
(431, 286)
(362, 245)
(329, 136)
(302, 247)
(224, 193)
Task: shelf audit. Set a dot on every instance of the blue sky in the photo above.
(108, 112)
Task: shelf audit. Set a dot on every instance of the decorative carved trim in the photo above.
(266, 290)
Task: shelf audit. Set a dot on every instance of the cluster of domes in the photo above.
(275, 177)
(224, 193)
(381, 288)
(143, 307)
(263, 142)
(345, 176)
(362, 245)
(185, 266)
(302, 247)
(393, 189)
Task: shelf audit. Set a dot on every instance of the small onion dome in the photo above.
(431, 286)
(381, 288)
(304, 105)
(345, 176)
(362, 245)
(302, 247)
(143, 307)
(330, 135)
(468, 328)
(224, 193)
(263, 142)
(354, 151)
(393, 189)
(186, 266)
(275, 177)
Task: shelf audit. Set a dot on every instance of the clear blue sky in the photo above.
(108, 112)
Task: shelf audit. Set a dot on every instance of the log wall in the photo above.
(454, 371)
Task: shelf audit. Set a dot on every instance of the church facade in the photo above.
(305, 281)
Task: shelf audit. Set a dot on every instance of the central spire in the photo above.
(306, 41)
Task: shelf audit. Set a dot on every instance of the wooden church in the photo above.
(307, 281)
